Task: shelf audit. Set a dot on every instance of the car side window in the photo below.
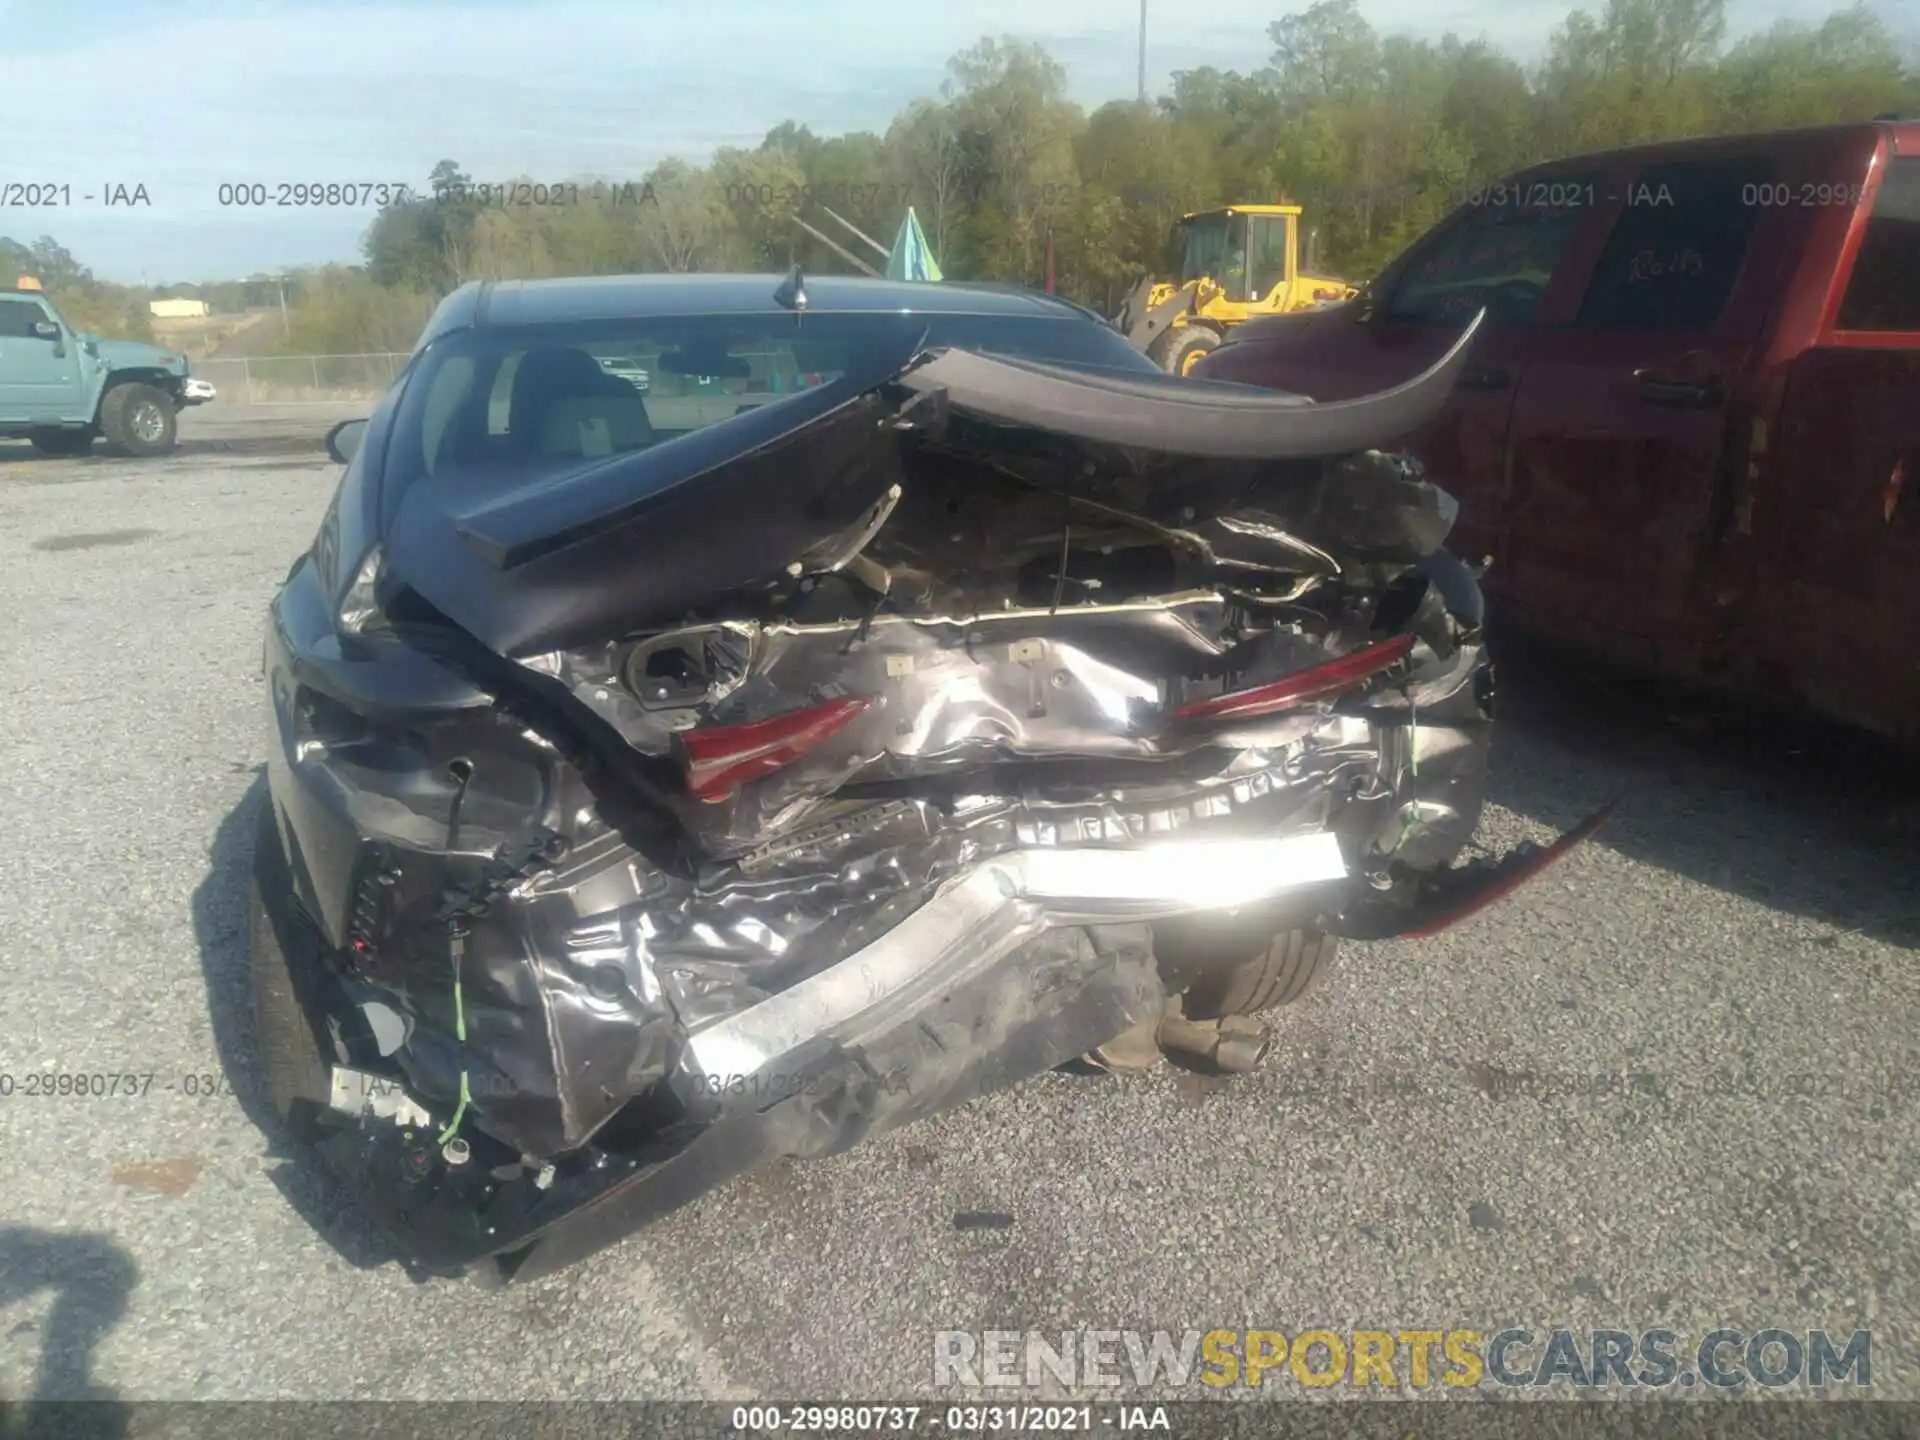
(500, 398)
(1677, 246)
(446, 396)
(1884, 290)
(1499, 254)
(18, 317)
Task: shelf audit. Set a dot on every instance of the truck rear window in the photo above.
(1884, 293)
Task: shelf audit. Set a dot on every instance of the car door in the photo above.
(1621, 426)
(39, 378)
(1507, 253)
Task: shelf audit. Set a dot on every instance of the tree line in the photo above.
(1376, 135)
(88, 302)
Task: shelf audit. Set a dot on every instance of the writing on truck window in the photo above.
(1670, 263)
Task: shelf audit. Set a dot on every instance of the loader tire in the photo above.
(138, 420)
(298, 1078)
(1178, 351)
(1249, 978)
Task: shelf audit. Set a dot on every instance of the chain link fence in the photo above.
(300, 379)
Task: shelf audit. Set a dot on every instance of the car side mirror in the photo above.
(343, 440)
(45, 330)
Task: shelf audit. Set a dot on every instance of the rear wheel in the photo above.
(1222, 972)
(1180, 350)
(298, 1078)
(1291, 967)
(1244, 969)
(62, 442)
(137, 420)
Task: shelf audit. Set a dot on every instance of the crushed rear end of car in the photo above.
(813, 773)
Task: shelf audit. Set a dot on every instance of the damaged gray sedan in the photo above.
(914, 690)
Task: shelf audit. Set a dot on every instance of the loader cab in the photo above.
(1250, 251)
(1223, 267)
(1197, 249)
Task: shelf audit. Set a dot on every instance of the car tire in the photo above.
(299, 1081)
(1239, 975)
(138, 420)
(1180, 350)
(66, 444)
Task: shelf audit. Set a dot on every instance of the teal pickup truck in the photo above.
(63, 388)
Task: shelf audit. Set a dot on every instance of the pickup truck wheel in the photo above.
(137, 420)
(299, 1081)
(1180, 350)
(1240, 974)
(62, 442)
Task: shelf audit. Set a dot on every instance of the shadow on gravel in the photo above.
(91, 1279)
(310, 447)
(220, 924)
(1794, 814)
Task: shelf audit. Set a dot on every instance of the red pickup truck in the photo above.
(1690, 434)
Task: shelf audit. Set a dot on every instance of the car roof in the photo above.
(505, 303)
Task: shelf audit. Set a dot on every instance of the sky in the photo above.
(108, 97)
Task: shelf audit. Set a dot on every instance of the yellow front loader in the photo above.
(1230, 265)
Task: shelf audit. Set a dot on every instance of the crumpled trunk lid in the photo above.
(783, 490)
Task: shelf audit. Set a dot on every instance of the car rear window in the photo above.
(1884, 291)
(1677, 246)
(484, 407)
(1498, 255)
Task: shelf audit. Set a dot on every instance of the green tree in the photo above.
(686, 226)
(760, 192)
(1016, 132)
(1847, 67)
(924, 166)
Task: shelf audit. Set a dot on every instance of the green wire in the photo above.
(1408, 821)
(460, 1033)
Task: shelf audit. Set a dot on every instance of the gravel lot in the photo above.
(1748, 915)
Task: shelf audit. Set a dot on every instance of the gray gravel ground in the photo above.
(1423, 1153)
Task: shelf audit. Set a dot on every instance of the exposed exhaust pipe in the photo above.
(1231, 1045)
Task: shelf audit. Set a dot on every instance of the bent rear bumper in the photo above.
(1017, 966)
(992, 912)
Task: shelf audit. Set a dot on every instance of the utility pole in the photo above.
(286, 325)
(1143, 52)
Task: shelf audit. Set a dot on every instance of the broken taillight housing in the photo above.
(360, 606)
(719, 759)
(697, 665)
(1314, 683)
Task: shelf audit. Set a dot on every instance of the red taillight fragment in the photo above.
(719, 759)
(1314, 683)
(1516, 870)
